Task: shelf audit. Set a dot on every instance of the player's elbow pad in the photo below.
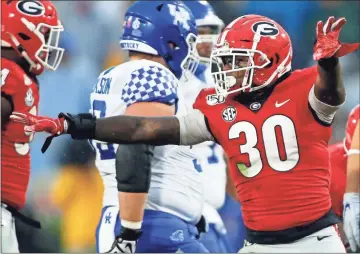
(133, 168)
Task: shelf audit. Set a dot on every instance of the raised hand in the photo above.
(327, 40)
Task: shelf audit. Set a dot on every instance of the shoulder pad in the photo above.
(150, 82)
(13, 77)
(207, 97)
(303, 79)
(305, 73)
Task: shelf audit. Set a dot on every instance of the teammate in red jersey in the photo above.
(350, 188)
(275, 121)
(29, 39)
(338, 161)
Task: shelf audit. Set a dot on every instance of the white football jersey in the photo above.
(210, 155)
(176, 183)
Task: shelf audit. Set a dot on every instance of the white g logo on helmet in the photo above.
(265, 28)
(31, 7)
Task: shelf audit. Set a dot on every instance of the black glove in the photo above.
(126, 241)
(81, 126)
(202, 226)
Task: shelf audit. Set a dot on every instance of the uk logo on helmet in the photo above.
(180, 16)
(31, 7)
(265, 28)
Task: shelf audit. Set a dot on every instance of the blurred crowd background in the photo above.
(65, 188)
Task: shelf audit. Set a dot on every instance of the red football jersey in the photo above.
(278, 153)
(338, 160)
(351, 124)
(15, 149)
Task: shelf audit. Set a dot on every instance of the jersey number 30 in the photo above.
(270, 141)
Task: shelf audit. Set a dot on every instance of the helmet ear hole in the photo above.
(173, 45)
(158, 8)
(277, 58)
(270, 64)
(24, 36)
(272, 61)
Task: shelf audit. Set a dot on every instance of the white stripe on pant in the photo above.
(106, 233)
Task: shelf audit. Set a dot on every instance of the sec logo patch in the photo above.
(229, 114)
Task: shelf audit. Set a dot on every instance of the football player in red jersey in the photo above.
(339, 153)
(29, 44)
(351, 203)
(275, 121)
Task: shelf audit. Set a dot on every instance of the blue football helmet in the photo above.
(162, 28)
(205, 17)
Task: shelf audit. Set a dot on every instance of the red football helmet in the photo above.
(266, 45)
(32, 28)
(353, 119)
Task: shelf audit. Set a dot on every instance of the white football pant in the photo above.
(326, 240)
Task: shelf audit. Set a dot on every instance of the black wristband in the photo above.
(81, 126)
(328, 63)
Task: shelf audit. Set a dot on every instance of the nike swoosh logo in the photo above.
(278, 105)
(322, 237)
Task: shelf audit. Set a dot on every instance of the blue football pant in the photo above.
(162, 232)
(215, 241)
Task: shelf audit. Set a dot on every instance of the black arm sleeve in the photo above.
(133, 168)
(157, 131)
